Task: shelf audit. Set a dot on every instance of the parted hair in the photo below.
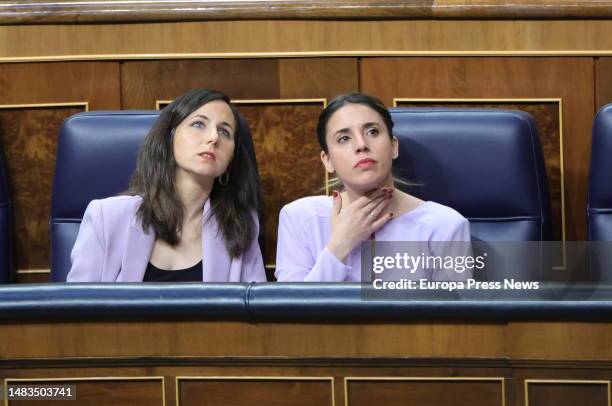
(234, 204)
(366, 100)
(351, 98)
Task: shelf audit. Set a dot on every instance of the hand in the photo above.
(355, 222)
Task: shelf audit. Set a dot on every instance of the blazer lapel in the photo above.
(138, 247)
(215, 259)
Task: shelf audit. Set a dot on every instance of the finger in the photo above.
(384, 189)
(383, 200)
(337, 202)
(381, 221)
(378, 209)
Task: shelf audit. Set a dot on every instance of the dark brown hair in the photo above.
(234, 205)
(351, 98)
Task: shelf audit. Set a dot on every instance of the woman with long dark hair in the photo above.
(191, 211)
(319, 236)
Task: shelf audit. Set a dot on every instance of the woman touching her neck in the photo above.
(319, 237)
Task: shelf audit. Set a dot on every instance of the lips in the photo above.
(208, 156)
(365, 163)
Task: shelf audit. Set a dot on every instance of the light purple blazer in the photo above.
(113, 247)
(304, 231)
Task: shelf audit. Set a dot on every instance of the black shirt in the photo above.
(191, 274)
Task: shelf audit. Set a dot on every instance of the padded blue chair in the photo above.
(96, 156)
(6, 248)
(599, 205)
(487, 164)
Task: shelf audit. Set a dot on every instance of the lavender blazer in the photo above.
(113, 247)
(304, 231)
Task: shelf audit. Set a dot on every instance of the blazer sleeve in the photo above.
(295, 262)
(88, 253)
(253, 269)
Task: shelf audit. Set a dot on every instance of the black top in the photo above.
(191, 274)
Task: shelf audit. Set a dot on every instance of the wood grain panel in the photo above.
(305, 368)
(287, 149)
(28, 137)
(548, 122)
(254, 392)
(529, 375)
(423, 392)
(60, 82)
(65, 11)
(33, 278)
(527, 341)
(145, 82)
(318, 77)
(603, 81)
(568, 78)
(337, 38)
(516, 340)
(112, 392)
(567, 394)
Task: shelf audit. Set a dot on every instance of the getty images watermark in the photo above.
(450, 266)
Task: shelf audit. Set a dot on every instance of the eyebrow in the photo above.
(365, 125)
(225, 123)
(341, 131)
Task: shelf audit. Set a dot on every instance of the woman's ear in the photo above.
(327, 162)
(395, 147)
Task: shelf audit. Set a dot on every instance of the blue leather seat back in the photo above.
(599, 206)
(487, 164)
(6, 254)
(599, 209)
(96, 156)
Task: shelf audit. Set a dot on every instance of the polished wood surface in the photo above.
(287, 150)
(603, 81)
(516, 340)
(96, 83)
(113, 392)
(568, 393)
(259, 362)
(570, 79)
(34, 100)
(256, 392)
(145, 82)
(256, 39)
(408, 391)
(65, 11)
(28, 138)
(178, 370)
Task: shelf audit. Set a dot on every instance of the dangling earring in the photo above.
(224, 179)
